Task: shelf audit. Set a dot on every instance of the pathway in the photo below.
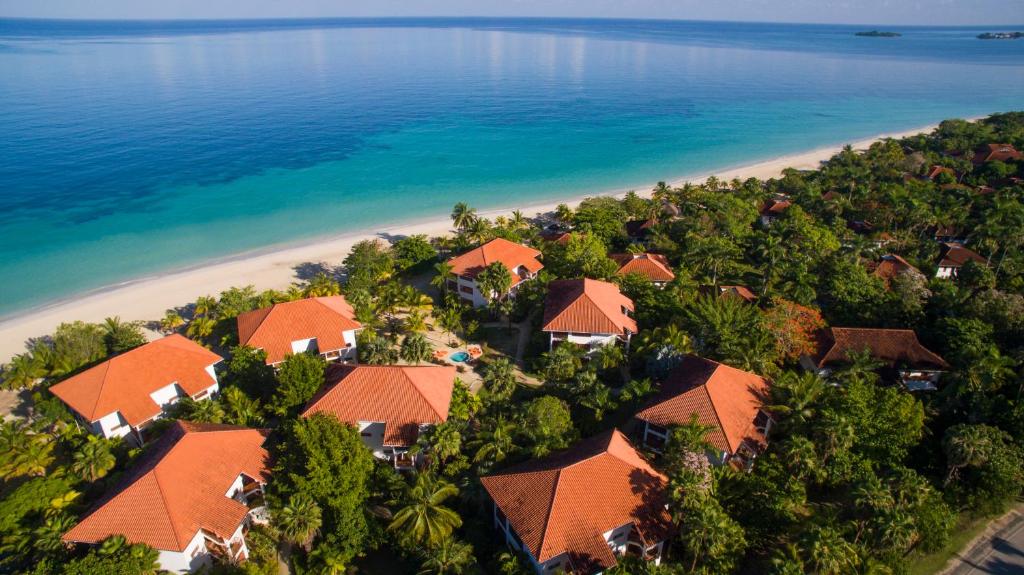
(999, 551)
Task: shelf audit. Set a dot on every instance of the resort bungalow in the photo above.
(953, 257)
(125, 394)
(654, 267)
(323, 325)
(640, 230)
(740, 293)
(727, 400)
(773, 210)
(192, 497)
(521, 261)
(391, 405)
(890, 266)
(578, 511)
(996, 153)
(902, 355)
(588, 313)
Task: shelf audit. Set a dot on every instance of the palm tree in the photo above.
(322, 285)
(412, 300)
(171, 321)
(494, 281)
(205, 306)
(33, 459)
(451, 556)
(47, 537)
(415, 349)
(200, 327)
(416, 321)
(93, 460)
(440, 281)
(829, 553)
(478, 230)
(299, 520)
(518, 221)
(636, 390)
(493, 444)
(424, 519)
(796, 395)
(990, 372)
(450, 320)
(239, 408)
(463, 216)
(25, 370)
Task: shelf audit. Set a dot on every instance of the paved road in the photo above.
(1001, 554)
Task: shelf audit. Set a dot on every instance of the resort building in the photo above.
(323, 325)
(997, 153)
(640, 230)
(936, 171)
(652, 266)
(890, 266)
(903, 356)
(391, 405)
(122, 396)
(588, 313)
(521, 261)
(727, 400)
(952, 257)
(579, 510)
(192, 497)
(773, 210)
(741, 293)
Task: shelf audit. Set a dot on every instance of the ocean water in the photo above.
(127, 149)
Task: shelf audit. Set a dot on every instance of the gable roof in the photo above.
(652, 266)
(402, 397)
(775, 207)
(737, 292)
(179, 487)
(587, 306)
(724, 398)
(936, 170)
(501, 250)
(564, 503)
(955, 255)
(274, 328)
(890, 266)
(124, 382)
(996, 152)
(892, 346)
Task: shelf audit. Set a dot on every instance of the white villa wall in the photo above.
(191, 559)
(372, 434)
(166, 394)
(945, 272)
(305, 345)
(111, 425)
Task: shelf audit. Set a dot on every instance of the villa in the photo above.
(996, 153)
(773, 209)
(192, 497)
(902, 355)
(587, 313)
(578, 511)
(125, 394)
(521, 261)
(890, 266)
(654, 267)
(323, 325)
(953, 257)
(729, 401)
(391, 405)
(640, 230)
(740, 293)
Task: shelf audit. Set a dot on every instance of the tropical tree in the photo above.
(121, 336)
(201, 327)
(299, 378)
(440, 281)
(299, 520)
(795, 395)
(24, 370)
(93, 460)
(239, 408)
(415, 349)
(499, 379)
(493, 443)
(171, 321)
(450, 557)
(463, 216)
(423, 519)
(494, 281)
(321, 285)
(33, 459)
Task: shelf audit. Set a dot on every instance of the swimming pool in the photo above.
(459, 356)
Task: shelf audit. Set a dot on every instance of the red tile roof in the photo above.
(564, 503)
(587, 306)
(124, 382)
(955, 255)
(501, 250)
(936, 170)
(997, 152)
(724, 398)
(895, 347)
(737, 292)
(179, 487)
(401, 397)
(273, 329)
(652, 266)
(775, 207)
(892, 265)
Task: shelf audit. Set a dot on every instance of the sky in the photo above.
(881, 12)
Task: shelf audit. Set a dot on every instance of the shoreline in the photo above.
(147, 298)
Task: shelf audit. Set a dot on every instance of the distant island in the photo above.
(879, 34)
(1001, 35)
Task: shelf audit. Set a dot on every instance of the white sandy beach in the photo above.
(147, 299)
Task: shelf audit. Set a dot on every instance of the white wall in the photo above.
(166, 394)
(945, 272)
(372, 434)
(183, 561)
(304, 345)
(111, 425)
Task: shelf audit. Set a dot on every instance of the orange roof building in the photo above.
(727, 400)
(892, 265)
(741, 293)
(587, 312)
(124, 394)
(652, 266)
(997, 153)
(580, 509)
(521, 261)
(936, 171)
(323, 325)
(954, 256)
(773, 209)
(389, 404)
(188, 497)
(897, 349)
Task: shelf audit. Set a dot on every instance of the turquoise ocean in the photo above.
(130, 149)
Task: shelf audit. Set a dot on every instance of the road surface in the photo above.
(1000, 554)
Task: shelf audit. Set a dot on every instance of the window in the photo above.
(465, 289)
(202, 394)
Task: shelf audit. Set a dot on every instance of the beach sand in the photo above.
(147, 299)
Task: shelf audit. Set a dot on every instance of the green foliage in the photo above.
(604, 217)
(369, 263)
(118, 558)
(299, 377)
(415, 349)
(423, 519)
(547, 423)
(583, 256)
(247, 370)
(499, 380)
(413, 251)
(120, 336)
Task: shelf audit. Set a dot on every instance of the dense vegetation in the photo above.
(860, 475)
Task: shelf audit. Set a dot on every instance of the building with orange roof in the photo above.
(954, 256)
(578, 511)
(899, 351)
(727, 400)
(521, 261)
(890, 266)
(587, 313)
(126, 393)
(741, 293)
(192, 497)
(997, 153)
(773, 210)
(936, 171)
(390, 404)
(652, 266)
(322, 325)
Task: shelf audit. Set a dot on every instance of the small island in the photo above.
(879, 34)
(1001, 35)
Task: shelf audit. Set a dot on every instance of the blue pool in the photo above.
(459, 356)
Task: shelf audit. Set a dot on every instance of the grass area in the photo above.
(500, 339)
(967, 528)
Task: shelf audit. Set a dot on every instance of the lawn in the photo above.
(966, 529)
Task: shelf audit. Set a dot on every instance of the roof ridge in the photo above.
(163, 497)
(103, 383)
(551, 509)
(412, 383)
(714, 408)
